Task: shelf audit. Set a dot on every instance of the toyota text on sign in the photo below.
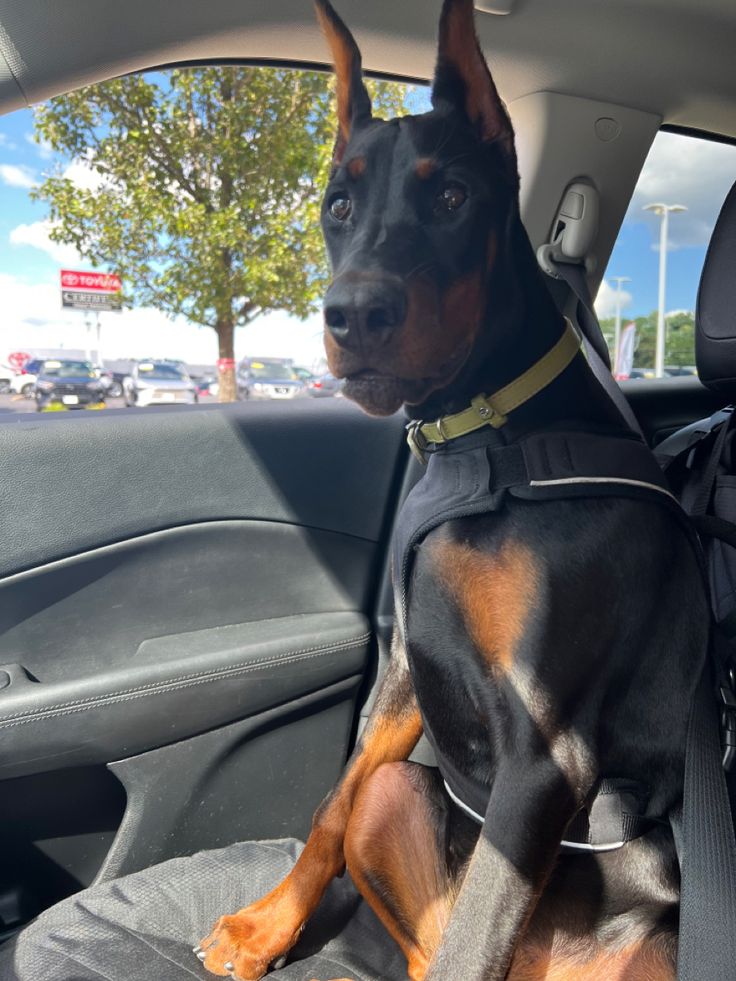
(90, 281)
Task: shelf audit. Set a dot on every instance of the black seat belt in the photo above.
(705, 839)
(703, 831)
(596, 350)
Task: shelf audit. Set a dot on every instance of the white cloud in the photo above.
(684, 170)
(6, 142)
(36, 235)
(605, 300)
(17, 176)
(83, 176)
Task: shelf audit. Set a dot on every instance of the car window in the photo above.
(151, 369)
(271, 369)
(67, 369)
(646, 302)
(172, 218)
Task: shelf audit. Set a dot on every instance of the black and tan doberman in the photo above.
(550, 647)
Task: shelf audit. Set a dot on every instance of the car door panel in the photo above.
(90, 613)
(182, 684)
(187, 603)
(82, 481)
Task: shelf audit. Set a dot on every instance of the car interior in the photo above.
(195, 601)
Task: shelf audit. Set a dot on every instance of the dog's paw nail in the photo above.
(201, 955)
(279, 962)
(196, 950)
(229, 966)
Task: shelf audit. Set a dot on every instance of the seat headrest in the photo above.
(715, 314)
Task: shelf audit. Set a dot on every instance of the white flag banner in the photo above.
(625, 359)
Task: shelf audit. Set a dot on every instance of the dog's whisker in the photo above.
(421, 270)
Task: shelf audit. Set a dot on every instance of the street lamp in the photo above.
(617, 334)
(663, 210)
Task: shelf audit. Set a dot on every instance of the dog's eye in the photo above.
(340, 207)
(450, 198)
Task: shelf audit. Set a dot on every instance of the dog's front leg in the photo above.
(531, 804)
(246, 943)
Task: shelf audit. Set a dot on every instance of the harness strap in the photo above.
(544, 464)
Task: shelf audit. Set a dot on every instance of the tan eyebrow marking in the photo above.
(425, 167)
(356, 167)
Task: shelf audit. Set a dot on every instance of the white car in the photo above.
(24, 383)
(159, 383)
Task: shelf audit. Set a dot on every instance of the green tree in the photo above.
(679, 340)
(208, 188)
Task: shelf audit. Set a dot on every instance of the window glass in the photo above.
(679, 193)
(165, 228)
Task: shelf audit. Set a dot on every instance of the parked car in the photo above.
(326, 386)
(207, 387)
(303, 374)
(63, 384)
(682, 371)
(267, 378)
(24, 383)
(158, 383)
(111, 380)
(6, 377)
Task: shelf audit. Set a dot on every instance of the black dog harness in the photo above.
(472, 475)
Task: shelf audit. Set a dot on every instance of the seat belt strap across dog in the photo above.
(595, 346)
(705, 837)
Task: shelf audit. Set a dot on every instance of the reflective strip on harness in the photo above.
(631, 825)
(560, 481)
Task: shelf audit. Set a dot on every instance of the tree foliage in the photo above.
(679, 339)
(205, 188)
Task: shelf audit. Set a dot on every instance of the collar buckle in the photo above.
(417, 441)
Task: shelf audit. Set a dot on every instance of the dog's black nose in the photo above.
(364, 311)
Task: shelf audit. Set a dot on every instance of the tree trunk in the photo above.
(226, 362)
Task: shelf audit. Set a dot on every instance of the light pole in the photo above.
(663, 210)
(617, 334)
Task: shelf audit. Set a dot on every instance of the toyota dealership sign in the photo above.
(91, 290)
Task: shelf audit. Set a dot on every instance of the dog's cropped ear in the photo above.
(462, 78)
(353, 101)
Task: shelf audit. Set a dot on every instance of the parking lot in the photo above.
(17, 404)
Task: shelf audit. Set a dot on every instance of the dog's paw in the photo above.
(243, 946)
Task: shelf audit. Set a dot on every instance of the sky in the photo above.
(683, 170)
(679, 170)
